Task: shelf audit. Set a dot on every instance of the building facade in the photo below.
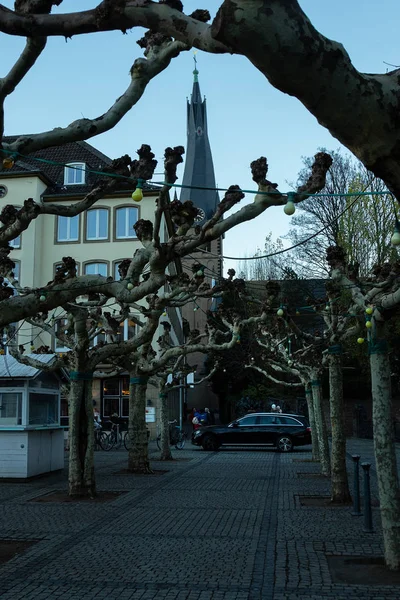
(98, 239)
(198, 185)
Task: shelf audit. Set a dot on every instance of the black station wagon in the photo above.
(282, 431)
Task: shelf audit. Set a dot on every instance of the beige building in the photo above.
(98, 239)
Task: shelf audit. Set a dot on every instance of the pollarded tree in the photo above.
(359, 109)
(183, 238)
(85, 321)
(375, 298)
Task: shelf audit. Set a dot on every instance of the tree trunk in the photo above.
(138, 458)
(385, 456)
(165, 447)
(313, 426)
(340, 493)
(321, 428)
(81, 476)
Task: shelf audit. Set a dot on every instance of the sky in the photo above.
(247, 117)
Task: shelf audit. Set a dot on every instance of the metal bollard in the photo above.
(367, 499)
(356, 496)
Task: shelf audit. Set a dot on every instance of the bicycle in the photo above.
(102, 439)
(177, 437)
(115, 437)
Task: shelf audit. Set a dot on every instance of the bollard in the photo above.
(356, 496)
(367, 499)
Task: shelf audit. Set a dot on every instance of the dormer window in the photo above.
(74, 174)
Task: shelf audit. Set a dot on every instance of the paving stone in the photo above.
(223, 525)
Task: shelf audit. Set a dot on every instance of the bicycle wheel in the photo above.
(105, 442)
(181, 440)
(127, 441)
(159, 442)
(118, 440)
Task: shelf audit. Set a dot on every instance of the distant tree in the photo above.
(259, 268)
(362, 225)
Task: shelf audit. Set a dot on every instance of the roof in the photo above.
(199, 166)
(10, 368)
(73, 152)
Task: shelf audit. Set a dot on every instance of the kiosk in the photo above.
(31, 438)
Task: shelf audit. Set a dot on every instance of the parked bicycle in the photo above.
(177, 437)
(102, 440)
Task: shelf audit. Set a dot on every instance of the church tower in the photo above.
(199, 167)
(199, 174)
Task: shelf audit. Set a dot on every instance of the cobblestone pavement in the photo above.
(224, 525)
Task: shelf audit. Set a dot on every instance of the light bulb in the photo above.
(130, 286)
(280, 312)
(8, 162)
(32, 348)
(164, 313)
(369, 310)
(395, 239)
(368, 324)
(289, 208)
(42, 298)
(360, 340)
(200, 274)
(137, 195)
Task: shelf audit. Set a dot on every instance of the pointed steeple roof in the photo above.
(199, 167)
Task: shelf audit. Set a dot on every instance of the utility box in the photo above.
(31, 438)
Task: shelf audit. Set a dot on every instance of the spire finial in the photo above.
(195, 72)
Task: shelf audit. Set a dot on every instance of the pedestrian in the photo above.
(192, 416)
(202, 417)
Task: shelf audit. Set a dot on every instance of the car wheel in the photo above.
(284, 444)
(210, 443)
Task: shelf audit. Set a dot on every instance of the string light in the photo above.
(369, 310)
(360, 340)
(280, 312)
(13, 155)
(289, 208)
(130, 286)
(137, 195)
(395, 239)
(8, 162)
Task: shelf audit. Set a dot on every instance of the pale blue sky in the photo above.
(247, 116)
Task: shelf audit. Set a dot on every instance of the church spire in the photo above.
(199, 167)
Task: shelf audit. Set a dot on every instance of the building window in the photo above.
(17, 270)
(10, 408)
(127, 329)
(117, 276)
(74, 174)
(43, 409)
(15, 243)
(68, 229)
(96, 268)
(126, 217)
(60, 327)
(116, 396)
(97, 224)
(58, 265)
